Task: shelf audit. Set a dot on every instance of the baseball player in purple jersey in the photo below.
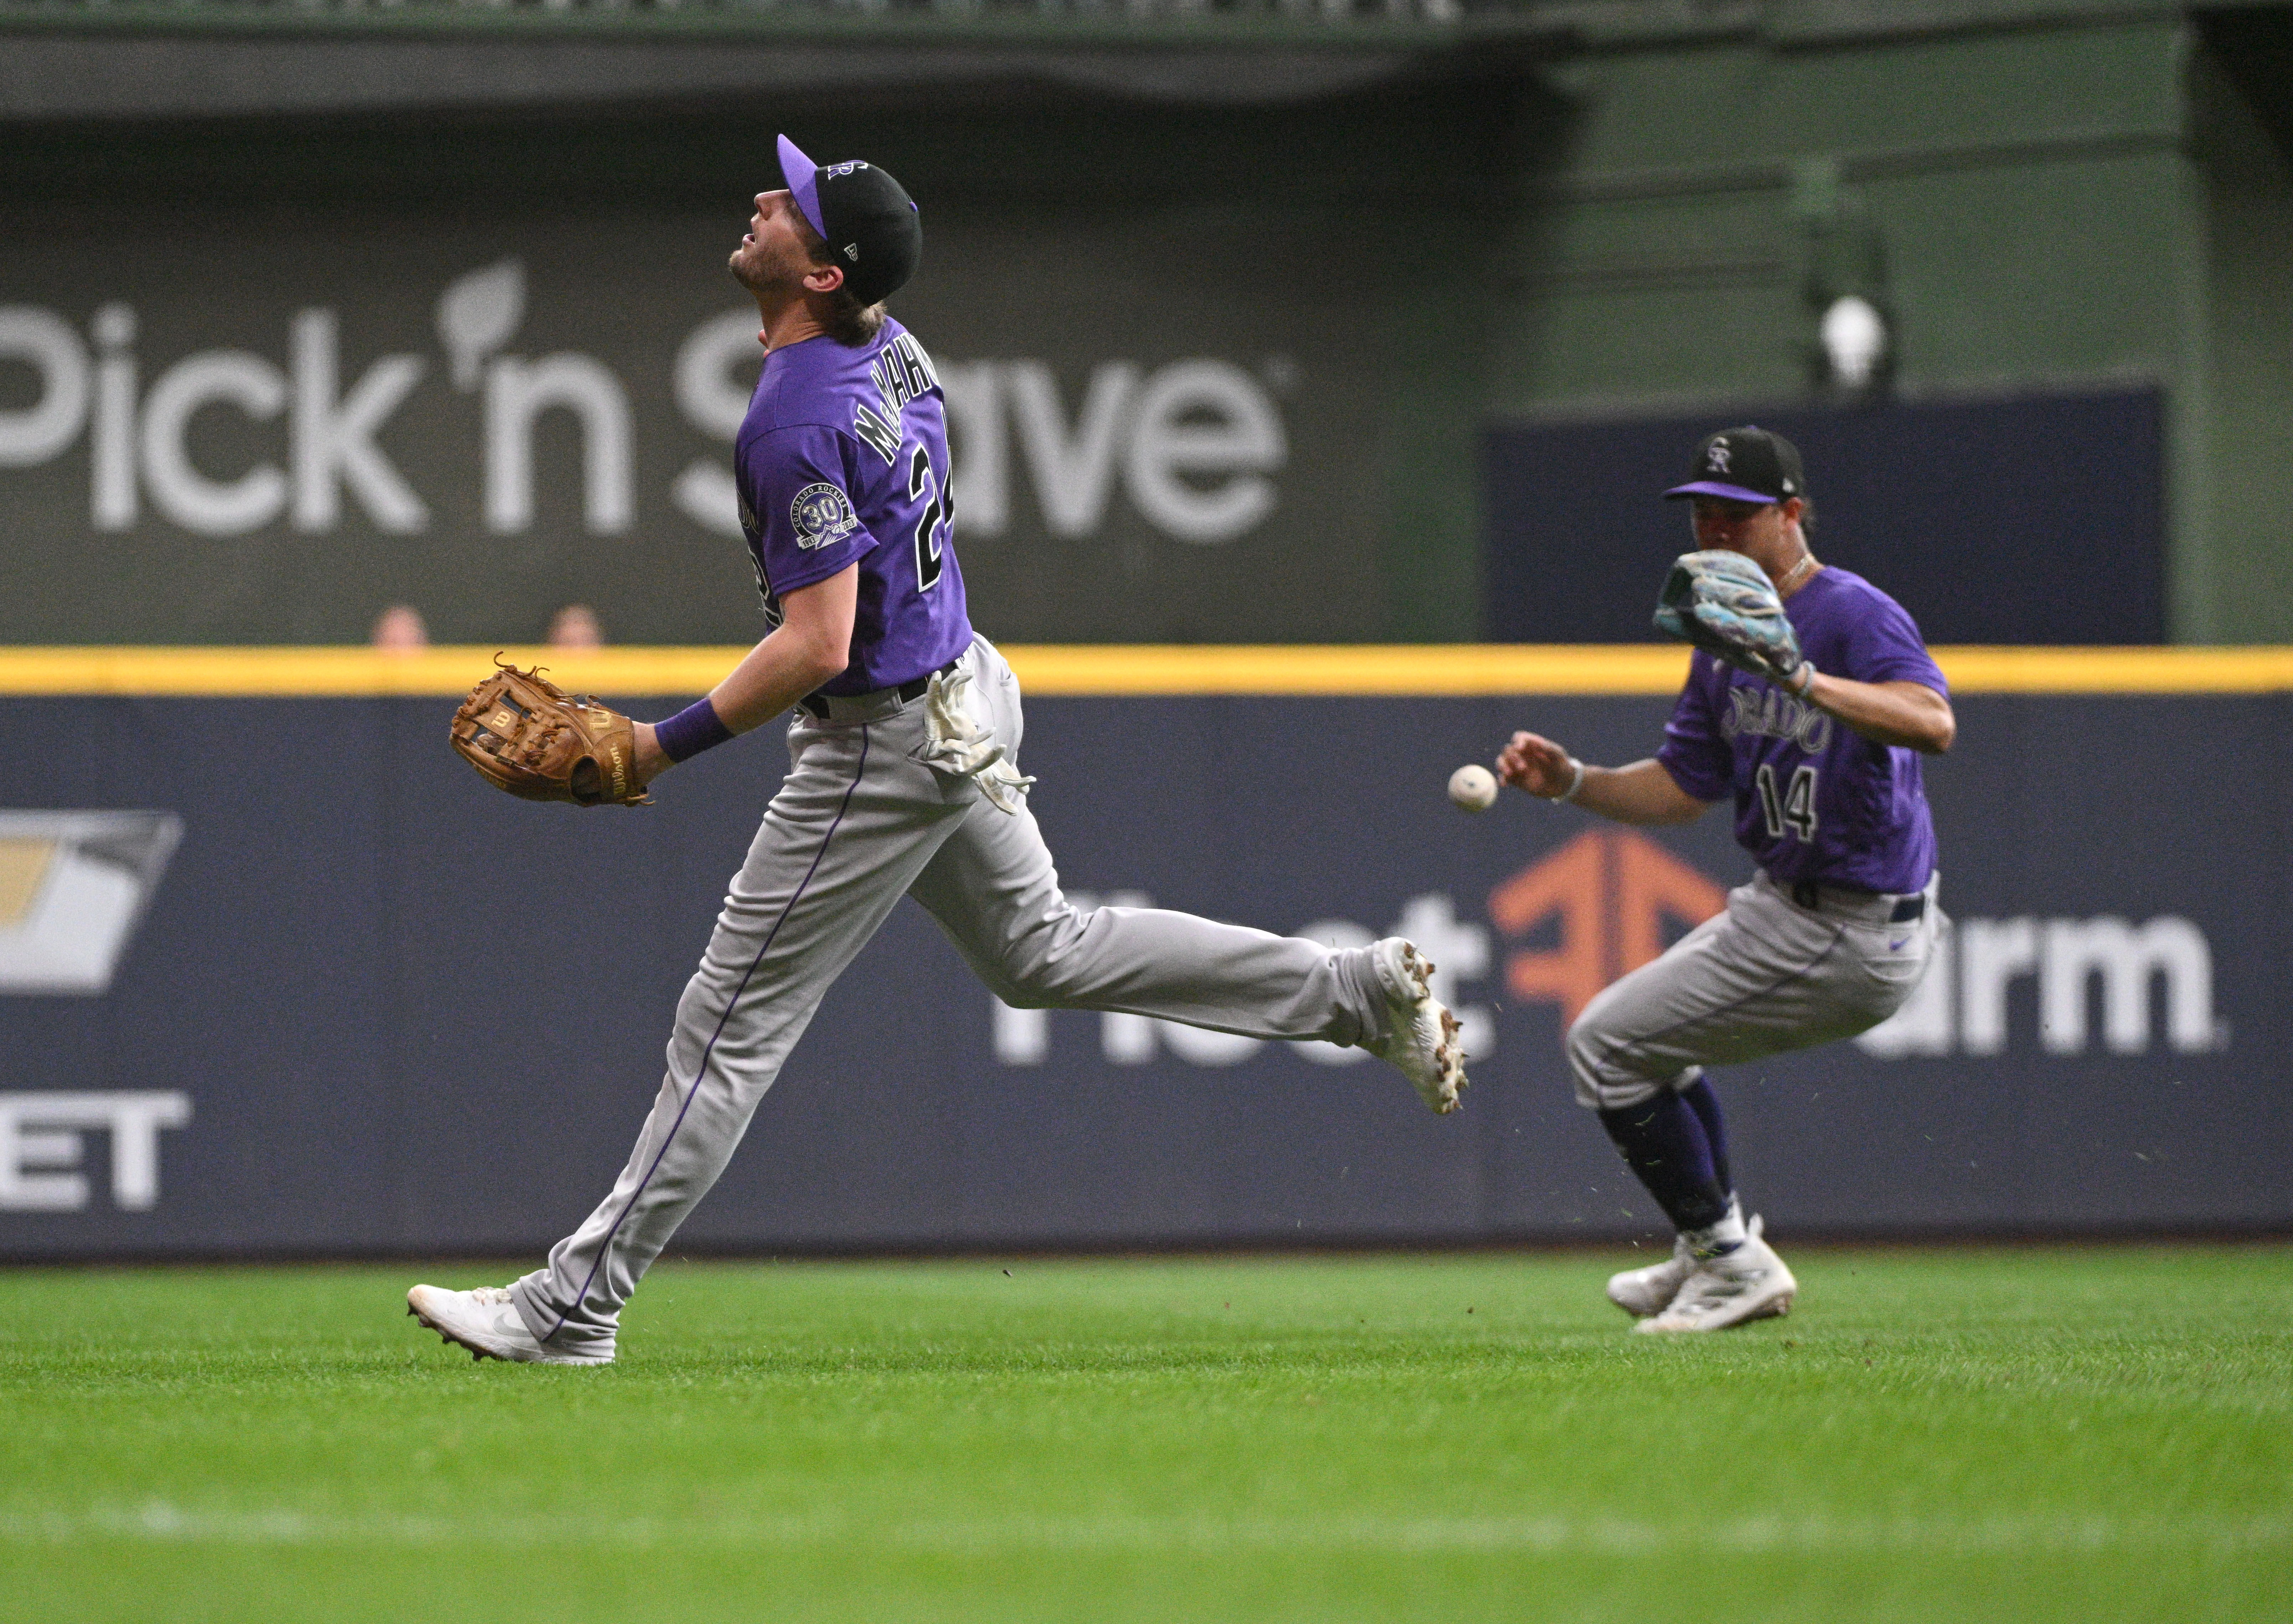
(1840, 920)
(903, 779)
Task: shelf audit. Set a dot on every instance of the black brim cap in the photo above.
(871, 225)
(1745, 465)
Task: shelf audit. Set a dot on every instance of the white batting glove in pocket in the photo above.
(958, 742)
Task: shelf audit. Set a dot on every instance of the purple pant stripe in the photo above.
(605, 1248)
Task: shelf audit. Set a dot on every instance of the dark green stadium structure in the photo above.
(1413, 227)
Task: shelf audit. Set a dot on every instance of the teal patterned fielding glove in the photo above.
(1725, 604)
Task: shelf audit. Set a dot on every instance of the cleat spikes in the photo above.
(1420, 1038)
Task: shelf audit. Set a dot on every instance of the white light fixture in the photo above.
(1854, 336)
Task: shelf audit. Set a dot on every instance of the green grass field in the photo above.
(2064, 1434)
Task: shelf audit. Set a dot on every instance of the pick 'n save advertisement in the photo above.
(307, 418)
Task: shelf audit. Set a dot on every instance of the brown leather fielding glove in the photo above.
(526, 735)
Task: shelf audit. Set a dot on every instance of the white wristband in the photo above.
(1576, 783)
(1803, 679)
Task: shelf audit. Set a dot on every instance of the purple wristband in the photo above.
(692, 730)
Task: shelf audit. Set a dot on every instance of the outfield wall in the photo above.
(281, 975)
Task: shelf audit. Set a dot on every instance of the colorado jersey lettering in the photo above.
(843, 461)
(1814, 800)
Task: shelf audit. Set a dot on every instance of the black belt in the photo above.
(1809, 895)
(912, 689)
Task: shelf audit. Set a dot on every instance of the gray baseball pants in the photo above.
(1763, 977)
(858, 824)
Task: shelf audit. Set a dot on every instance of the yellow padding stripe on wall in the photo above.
(1049, 670)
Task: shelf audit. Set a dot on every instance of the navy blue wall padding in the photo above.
(413, 1014)
(2034, 519)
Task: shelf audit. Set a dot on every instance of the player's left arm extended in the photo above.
(1906, 714)
(812, 645)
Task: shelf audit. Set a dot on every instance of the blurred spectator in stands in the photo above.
(575, 625)
(401, 626)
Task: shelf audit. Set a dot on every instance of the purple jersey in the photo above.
(1814, 798)
(842, 459)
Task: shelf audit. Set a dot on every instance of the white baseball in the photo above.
(1473, 788)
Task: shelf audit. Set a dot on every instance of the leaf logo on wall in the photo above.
(478, 313)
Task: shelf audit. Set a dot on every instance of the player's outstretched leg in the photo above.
(994, 889)
(487, 1322)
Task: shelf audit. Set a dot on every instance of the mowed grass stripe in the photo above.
(1811, 1536)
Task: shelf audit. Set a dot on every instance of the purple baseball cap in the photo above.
(803, 177)
(866, 218)
(1745, 465)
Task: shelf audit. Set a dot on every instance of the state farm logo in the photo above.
(1615, 897)
(1609, 901)
(2142, 981)
(1611, 894)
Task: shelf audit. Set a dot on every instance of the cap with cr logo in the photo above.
(865, 217)
(1745, 465)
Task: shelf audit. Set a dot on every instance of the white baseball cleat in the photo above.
(1421, 1035)
(487, 1322)
(1749, 1283)
(1643, 1293)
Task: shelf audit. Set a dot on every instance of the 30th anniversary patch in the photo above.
(822, 514)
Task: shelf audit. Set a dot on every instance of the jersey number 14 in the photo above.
(932, 529)
(1794, 809)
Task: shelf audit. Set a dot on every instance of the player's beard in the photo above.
(766, 268)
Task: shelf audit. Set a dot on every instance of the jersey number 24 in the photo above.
(933, 529)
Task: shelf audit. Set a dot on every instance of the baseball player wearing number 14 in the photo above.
(903, 779)
(1819, 746)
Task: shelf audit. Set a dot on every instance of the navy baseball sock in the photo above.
(1664, 1145)
(1705, 1104)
